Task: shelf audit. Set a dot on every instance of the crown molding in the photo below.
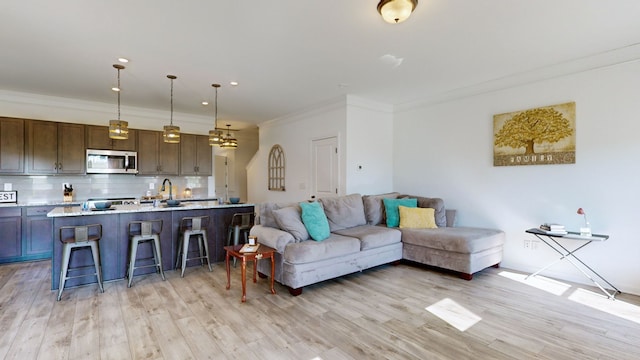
(593, 62)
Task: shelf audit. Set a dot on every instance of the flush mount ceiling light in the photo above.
(171, 133)
(396, 11)
(229, 142)
(118, 129)
(215, 135)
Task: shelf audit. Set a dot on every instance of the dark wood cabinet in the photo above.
(97, 137)
(155, 157)
(195, 155)
(55, 148)
(10, 234)
(11, 146)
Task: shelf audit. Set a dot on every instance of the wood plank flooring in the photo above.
(380, 313)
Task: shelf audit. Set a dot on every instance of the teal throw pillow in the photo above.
(391, 207)
(315, 220)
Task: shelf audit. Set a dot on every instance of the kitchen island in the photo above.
(114, 244)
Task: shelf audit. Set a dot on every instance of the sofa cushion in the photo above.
(311, 251)
(417, 218)
(391, 209)
(435, 203)
(456, 239)
(344, 212)
(374, 207)
(371, 236)
(315, 221)
(265, 213)
(288, 219)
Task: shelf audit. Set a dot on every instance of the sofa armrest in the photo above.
(451, 217)
(272, 237)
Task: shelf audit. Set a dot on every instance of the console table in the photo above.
(551, 240)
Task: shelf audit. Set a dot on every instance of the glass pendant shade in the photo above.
(171, 133)
(396, 11)
(215, 137)
(118, 129)
(229, 142)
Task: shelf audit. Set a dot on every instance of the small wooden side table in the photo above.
(264, 252)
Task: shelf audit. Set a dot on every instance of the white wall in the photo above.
(445, 150)
(369, 145)
(364, 130)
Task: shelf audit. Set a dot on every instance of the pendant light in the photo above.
(396, 11)
(171, 133)
(229, 142)
(215, 135)
(118, 129)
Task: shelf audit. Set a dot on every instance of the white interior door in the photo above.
(221, 177)
(324, 167)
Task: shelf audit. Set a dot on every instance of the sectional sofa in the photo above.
(359, 239)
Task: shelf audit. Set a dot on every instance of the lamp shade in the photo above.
(118, 129)
(396, 11)
(171, 134)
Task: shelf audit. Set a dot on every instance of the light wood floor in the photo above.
(377, 314)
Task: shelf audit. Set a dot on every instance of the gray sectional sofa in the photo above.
(359, 239)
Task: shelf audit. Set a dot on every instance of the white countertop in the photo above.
(119, 209)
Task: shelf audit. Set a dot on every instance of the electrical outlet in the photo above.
(534, 244)
(527, 244)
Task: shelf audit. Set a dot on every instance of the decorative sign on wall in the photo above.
(9, 196)
(540, 136)
(276, 168)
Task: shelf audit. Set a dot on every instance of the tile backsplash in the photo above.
(49, 189)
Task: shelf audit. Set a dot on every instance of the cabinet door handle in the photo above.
(196, 169)
(55, 166)
(59, 166)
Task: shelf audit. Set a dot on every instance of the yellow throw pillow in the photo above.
(417, 218)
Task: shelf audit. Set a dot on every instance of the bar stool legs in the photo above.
(145, 234)
(83, 236)
(193, 227)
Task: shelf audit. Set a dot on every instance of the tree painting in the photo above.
(539, 136)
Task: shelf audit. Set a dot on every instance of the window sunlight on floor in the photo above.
(454, 314)
(540, 282)
(600, 302)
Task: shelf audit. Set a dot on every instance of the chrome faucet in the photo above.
(170, 187)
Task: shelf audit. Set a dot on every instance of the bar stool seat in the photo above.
(144, 232)
(193, 226)
(74, 238)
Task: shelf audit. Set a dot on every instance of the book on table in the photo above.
(553, 229)
(246, 248)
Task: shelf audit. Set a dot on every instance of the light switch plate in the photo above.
(8, 186)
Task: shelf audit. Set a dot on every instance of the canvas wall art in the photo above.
(540, 136)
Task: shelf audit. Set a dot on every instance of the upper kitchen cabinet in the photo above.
(55, 148)
(11, 146)
(98, 138)
(195, 155)
(155, 157)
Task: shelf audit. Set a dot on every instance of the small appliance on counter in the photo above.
(96, 203)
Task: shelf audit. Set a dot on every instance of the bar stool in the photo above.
(193, 226)
(141, 232)
(240, 223)
(76, 237)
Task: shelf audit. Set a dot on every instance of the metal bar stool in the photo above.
(240, 223)
(193, 226)
(76, 237)
(141, 232)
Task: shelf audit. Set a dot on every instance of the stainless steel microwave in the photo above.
(112, 162)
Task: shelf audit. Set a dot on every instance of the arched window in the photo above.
(276, 168)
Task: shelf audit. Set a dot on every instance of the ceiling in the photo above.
(289, 55)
